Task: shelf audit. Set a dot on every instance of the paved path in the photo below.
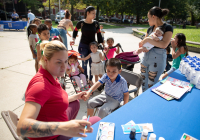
(17, 69)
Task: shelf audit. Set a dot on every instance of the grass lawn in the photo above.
(191, 33)
(105, 26)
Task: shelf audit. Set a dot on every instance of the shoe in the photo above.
(86, 87)
(82, 89)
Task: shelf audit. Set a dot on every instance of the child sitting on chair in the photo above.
(73, 69)
(157, 35)
(116, 90)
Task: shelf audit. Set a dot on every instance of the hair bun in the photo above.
(164, 12)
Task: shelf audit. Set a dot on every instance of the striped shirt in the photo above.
(116, 89)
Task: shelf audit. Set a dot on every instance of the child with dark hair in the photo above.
(43, 32)
(97, 68)
(116, 90)
(157, 35)
(33, 39)
(53, 31)
(179, 50)
(74, 69)
(109, 51)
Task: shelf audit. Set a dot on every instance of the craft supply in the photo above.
(144, 134)
(106, 131)
(132, 134)
(187, 137)
(152, 136)
(161, 138)
(139, 127)
(86, 125)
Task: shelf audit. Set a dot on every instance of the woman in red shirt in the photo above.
(48, 109)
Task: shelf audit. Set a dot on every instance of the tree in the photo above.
(193, 6)
(3, 2)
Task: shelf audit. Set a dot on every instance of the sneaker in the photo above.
(86, 87)
(82, 89)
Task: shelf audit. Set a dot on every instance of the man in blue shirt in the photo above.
(15, 16)
(31, 17)
(116, 90)
(53, 31)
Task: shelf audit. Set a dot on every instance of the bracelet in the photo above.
(90, 90)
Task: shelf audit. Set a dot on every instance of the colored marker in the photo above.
(86, 125)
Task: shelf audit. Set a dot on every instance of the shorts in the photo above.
(171, 70)
(34, 51)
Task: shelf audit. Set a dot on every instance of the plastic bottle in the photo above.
(191, 59)
(152, 136)
(198, 64)
(132, 134)
(198, 83)
(144, 134)
(194, 75)
(197, 75)
(73, 68)
(198, 59)
(195, 57)
(161, 138)
(183, 65)
(190, 72)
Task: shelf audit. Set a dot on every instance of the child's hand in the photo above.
(145, 49)
(86, 96)
(140, 44)
(173, 43)
(82, 70)
(80, 95)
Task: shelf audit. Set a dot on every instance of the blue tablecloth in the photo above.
(14, 24)
(170, 118)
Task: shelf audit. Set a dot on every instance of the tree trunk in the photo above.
(138, 19)
(4, 5)
(192, 19)
(72, 12)
(50, 10)
(97, 14)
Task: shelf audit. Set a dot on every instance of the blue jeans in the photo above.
(152, 66)
(84, 50)
(63, 36)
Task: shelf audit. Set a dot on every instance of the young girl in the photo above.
(179, 50)
(109, 51)
(97, 68)
(33, 39)
(73, 69)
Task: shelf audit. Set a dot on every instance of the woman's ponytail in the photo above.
(43, 44)
(157, 11)
(67, 14)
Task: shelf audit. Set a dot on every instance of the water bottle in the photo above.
(144, 134)
(191, 59)
(152, 136)
(194, 75)
(198, 59)
(188, 70)
(197, 75)
(73, 68)
(183, 65)
(191, 71)
(198, 83)
(198, 64)
(195, 57)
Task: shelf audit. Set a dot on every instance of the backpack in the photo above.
(128, 56)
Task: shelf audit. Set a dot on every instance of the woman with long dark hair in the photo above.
(154, 60)
(64, 24)
(89, 28)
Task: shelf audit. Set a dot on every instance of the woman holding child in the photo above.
(49, 112)
(154, 60)
(89, 27)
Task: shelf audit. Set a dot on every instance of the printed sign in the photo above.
(10, 25)
(1, 27)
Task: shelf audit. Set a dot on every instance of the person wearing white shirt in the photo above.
(31, 17)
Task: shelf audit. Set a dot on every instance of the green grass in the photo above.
(105, 26)
(191, 33)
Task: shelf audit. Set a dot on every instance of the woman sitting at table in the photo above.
(15, 16)
(49, 111)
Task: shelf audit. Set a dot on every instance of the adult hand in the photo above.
(86, 96)
(74, 128)
(141, 44)
(80, 95)
(72, 43)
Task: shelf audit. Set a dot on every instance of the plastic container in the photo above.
(198, 59)
(195, 57)
(161, 138)
(191, 70)
(152, 136)
(144, 134)
(185, 66)
(198, 83)
(181, 63)
(188, 70)
(198, 64)
(191, 59)
(73, 68)
(195, 75)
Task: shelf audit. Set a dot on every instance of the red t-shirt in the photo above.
(46, 91)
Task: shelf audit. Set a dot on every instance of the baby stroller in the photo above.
(68, 77)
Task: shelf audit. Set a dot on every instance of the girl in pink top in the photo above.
(109, 51)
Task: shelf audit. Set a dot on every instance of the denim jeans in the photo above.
(63, 36)
(152, 66)
(84, 50)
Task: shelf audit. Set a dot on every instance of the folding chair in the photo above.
(132, 79)
(11, 120)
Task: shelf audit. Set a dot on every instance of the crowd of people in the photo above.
(49, 113)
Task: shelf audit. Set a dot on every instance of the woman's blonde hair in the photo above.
(49, 48)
